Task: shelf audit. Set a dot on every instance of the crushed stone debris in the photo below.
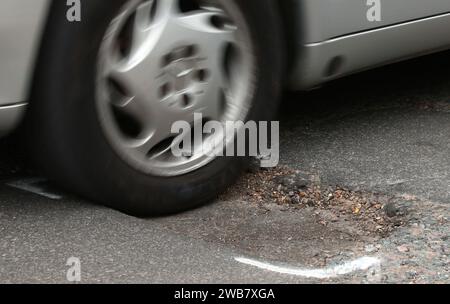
(374, 213)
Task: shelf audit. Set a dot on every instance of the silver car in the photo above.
(97, 85)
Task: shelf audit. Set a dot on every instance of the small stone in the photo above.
(371, 249)
(310, 203)
(391, 210)
(412, 275)
(403, 249)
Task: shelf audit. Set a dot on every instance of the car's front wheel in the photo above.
(108, 89)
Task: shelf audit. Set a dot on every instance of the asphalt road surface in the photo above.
(380, 138)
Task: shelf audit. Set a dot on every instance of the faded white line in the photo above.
(361, 264)
(32, 185)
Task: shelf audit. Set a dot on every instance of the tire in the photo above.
(68, 140)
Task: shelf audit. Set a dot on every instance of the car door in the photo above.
(341, 37)
(350, 16)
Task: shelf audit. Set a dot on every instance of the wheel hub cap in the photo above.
(159, 64)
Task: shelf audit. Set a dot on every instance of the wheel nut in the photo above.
(167, 59)
(202, 75)
(190, 51)
(186, 100)
(164, 90)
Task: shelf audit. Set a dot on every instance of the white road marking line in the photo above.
(361, 264)
(32, 185)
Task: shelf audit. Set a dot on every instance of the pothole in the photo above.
(363, 213)
(286, 216)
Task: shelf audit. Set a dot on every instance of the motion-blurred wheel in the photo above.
(109, 88)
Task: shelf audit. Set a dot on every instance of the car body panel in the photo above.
(21, 23)
(334, 58)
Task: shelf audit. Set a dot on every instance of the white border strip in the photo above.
(361, 264)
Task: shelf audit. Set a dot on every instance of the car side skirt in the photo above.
(321, 62)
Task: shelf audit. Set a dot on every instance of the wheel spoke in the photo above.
(129, 75)
(150, 20)
(133, 108)
(160, 65)
(142, 24)
(143, 17)
(198, 26)
(161, 131)
(166, 8)
(135, 78)
(145, 146)
(211, 102)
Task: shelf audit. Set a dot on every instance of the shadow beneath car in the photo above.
(422, 80)
(385, 130)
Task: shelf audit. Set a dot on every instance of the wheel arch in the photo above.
(289, 11)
